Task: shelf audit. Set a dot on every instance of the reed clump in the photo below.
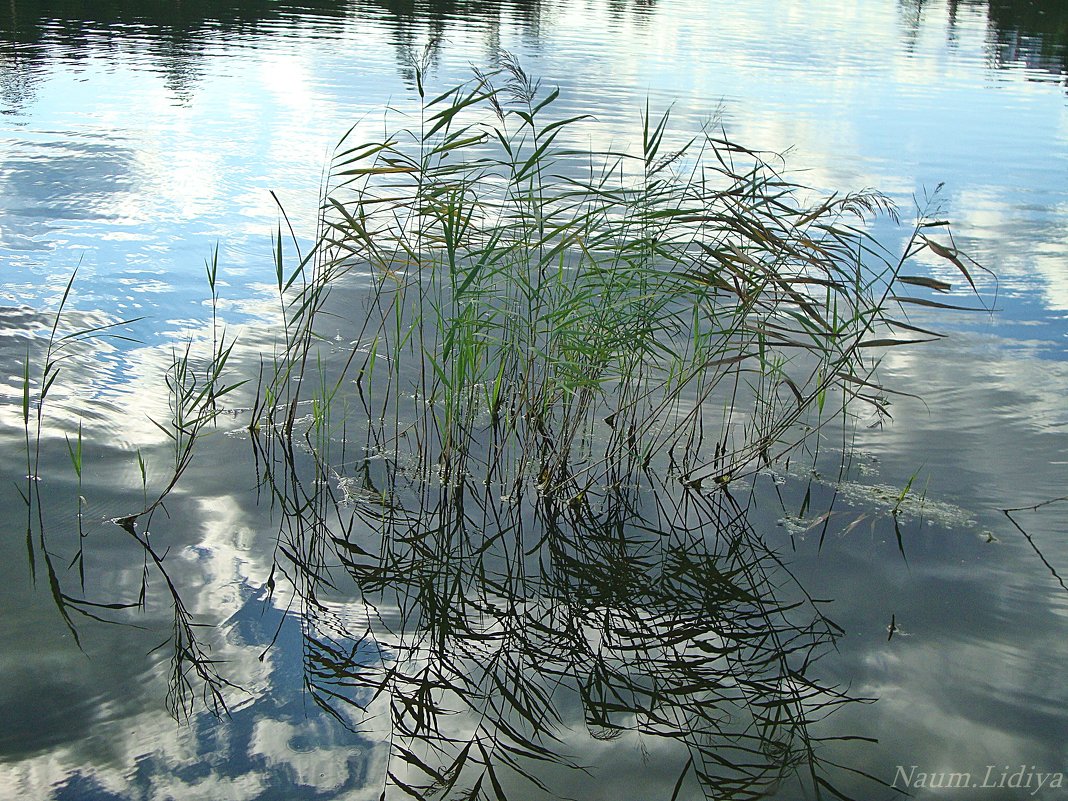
(570, 309)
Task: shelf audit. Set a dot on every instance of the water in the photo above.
(133, 142)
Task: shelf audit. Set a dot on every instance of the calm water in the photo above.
(134, 141)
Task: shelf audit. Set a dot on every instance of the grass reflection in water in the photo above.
(488, 630)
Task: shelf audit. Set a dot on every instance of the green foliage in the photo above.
(558, 301)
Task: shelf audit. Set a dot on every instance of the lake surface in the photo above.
(134, 140)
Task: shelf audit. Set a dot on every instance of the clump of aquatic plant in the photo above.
(575, 308)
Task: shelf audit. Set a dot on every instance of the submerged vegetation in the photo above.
(516, 509)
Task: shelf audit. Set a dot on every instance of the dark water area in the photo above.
(1031, 34)
(649, 639)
